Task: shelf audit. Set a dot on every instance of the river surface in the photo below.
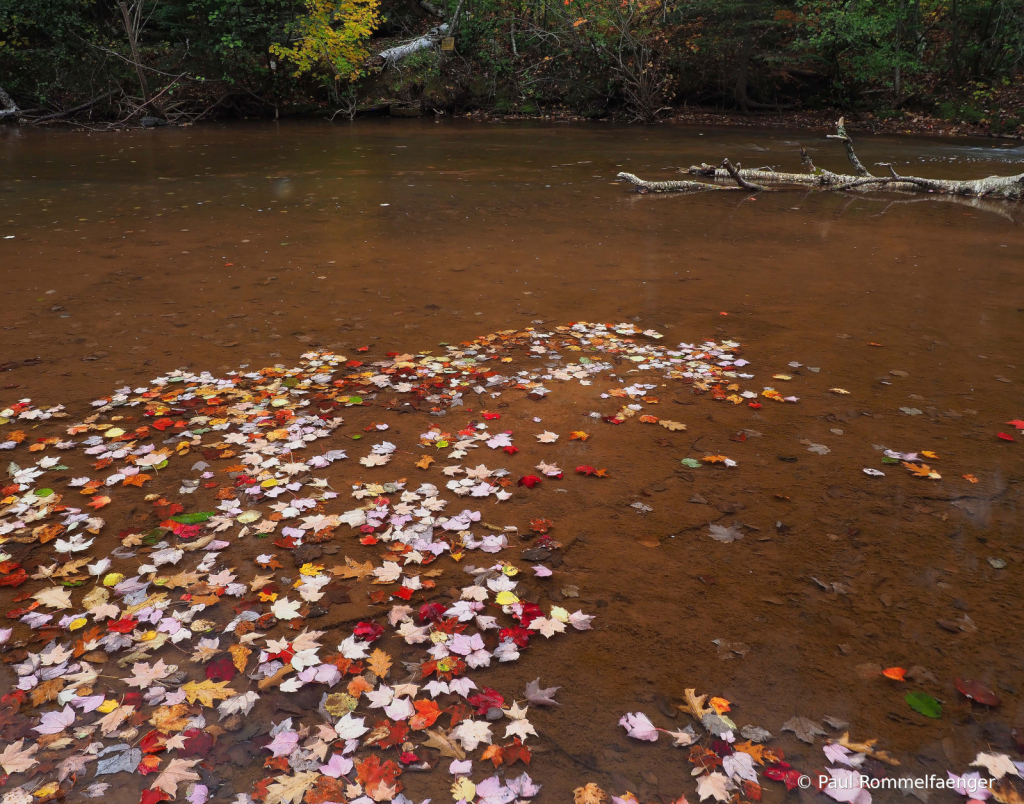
(898, 322)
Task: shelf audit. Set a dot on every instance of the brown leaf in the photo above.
(47, 691)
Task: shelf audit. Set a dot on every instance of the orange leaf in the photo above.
(714, 459)
(924, 470)
(136, 480)
(895, 673)
(379, 663)
(426, 713)
(578, 435)
(495, 753)
(49, 532)
(358, 685)
(720, 705)
(424, 462)
(239, 656)
(648, 419)
(99, 502)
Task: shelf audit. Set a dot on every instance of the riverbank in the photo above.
(907, 124)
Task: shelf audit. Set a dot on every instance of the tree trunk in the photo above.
(8, 108)
(740, 90)
(897, 90)
(131, 28)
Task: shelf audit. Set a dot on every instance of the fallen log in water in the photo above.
(1010, 188)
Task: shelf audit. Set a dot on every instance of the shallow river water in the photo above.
(897, 321)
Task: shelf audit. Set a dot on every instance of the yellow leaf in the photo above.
(670, 425)
(463, 789)
(239, 656)
(206, 691)
(424, 462)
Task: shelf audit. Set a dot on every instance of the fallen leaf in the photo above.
(805, 730)
(379, 663)
(590, 793)
(206, 691)
(176, 772)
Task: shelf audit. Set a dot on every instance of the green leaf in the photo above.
(925, 704)
(44, 492)
(692, 463)
(192, 519)
(889, 460)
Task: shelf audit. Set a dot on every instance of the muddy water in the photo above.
(221, 246)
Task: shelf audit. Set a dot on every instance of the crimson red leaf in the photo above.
(977, 692)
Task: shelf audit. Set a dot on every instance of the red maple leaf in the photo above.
(371, 772)
(516, 752)
(397, 732)
(486, 699)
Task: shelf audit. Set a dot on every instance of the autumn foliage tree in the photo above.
(330, 38)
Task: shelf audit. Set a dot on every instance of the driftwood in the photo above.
(1009, 188)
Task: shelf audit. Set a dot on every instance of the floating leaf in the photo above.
(976, 691)
(925, 704)
(192, 519)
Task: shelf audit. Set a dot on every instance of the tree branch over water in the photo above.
(1009, 188)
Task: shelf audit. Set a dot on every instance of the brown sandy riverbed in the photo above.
(139, 253)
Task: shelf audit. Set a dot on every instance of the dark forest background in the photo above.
(197, 59)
